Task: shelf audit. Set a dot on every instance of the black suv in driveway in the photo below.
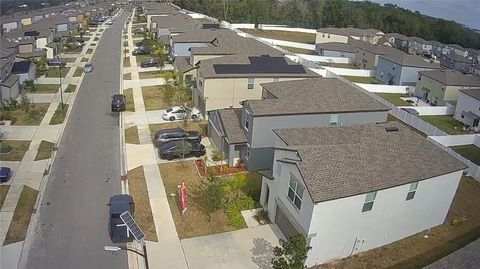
(174, 134)
(171, 150)
(149, 63)
(116, 227)
(118, 103)
(56, 62)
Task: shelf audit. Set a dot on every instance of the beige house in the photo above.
(227, 81)
(343, 35)
(439, 87)
(367, 55)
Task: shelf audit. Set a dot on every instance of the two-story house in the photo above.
(343, 35)
(440, 87)
(458, 62)
(352, 189)
(337, 49)
(367, 55)
(467, 110)
(315, 102)
(400, 68)
(10, 84)
(226, 81)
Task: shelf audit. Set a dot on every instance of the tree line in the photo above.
(314, 14)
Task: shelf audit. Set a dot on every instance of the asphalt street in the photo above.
(72, 228)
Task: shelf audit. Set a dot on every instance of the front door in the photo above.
(475, 123)
(357, 245)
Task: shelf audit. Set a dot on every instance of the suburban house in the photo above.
(226, 81)
(352, 189)
(398, 41)
(219, 47)
(317, 102)
(467, 110)
(158, 9)
(441, 86)
(417, 45)
(25, 70)
(10, 86)
(9, 23)
(400, 68)
(366, 55)
(458, 62)
(344, 35)
(336, 49)
(166, 25)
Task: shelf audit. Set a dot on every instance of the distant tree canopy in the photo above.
(338, 13)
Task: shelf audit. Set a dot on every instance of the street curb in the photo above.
(22, 262)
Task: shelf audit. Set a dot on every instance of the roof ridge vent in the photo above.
(391, 129)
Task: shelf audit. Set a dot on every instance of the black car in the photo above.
(56, 62)
(140, 51)
(149, 63)
(118, 103)
(174, 134)
(116, 227)
(173, 150)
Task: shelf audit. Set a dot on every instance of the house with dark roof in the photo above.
(316, 102)
(226, 81)
(10, 85)
(465, 64)
(352, 189)
(467, 110)
(441, 86)
(399, 68)
(366, 55)
(25, 70)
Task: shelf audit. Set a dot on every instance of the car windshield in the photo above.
(169, 110)
(88, 65)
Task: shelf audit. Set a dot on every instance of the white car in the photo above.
(88, 68)
(181, 113)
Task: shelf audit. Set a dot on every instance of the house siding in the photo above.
(326, 38)
(12, 92)
(392, 218)
(466, 103)
(7, 27)
(394, 74)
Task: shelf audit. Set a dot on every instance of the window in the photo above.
(248, 151)
(411, 191)
(247, 124)
(250, 83)
(323, 35)
(419, 78)
(275, 79)
(328, 35)
(334, 118)
(295, 192)
(369, 199)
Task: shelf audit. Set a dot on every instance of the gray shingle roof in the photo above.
(182, 64)
(10, 80)
(475, 93)
(208, 68)
(336, 46)
(313, 96)
(405, 59)
(202, 35)
(350, 31)
(452, 78)
(338, 162)
(236, 45)
(230, 119)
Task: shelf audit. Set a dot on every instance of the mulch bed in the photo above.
(216, 170)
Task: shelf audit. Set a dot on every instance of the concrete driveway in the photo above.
(247, 248)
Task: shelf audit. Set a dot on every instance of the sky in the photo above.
(462, 11)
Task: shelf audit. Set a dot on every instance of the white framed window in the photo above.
(369, 199)
(334, 119)
(295, 192)
(250, 83)
(411, 191)
(248, 151)
(247, 124)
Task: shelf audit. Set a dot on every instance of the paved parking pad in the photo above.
(247, 248)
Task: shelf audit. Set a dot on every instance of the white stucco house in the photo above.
(351, 189)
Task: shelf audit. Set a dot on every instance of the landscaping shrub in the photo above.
(212, 196)
(233, 211)
(5, 148)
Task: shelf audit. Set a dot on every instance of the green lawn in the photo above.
(84, 60)
(89, 51)
(394, 98)
(151, 74)
(141, 58)
(44, 150)
(59, 114)
(137, 36)
(446, 123)
(298, 50)
(17, 230)
(46, 88)
(283, 35)
(33, 117)
(70, 88)
(69, 60)
(78, 72)
(73, 50)
(54, 72)
(126, 62)
(470, 152)
(3, 193)
(127, 76)
(130, 105)
(367, 80)
(17, 150)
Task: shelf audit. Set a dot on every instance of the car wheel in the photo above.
(194, 117)
(172, 118)
(169, 157)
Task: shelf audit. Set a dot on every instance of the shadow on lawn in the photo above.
(262, 253)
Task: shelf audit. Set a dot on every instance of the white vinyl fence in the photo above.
(325, 59)
(384, 88)
(350, 72)
(433, 110)
(299, 45)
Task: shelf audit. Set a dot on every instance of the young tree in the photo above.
(184, 147)
(41, 64)
(212, 197)
(291, 254)
(29, 85)
(25, 102)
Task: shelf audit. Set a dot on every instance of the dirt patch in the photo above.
(131, 135)
(153, 97)
(17, 151)
(33, 117)
(127, 76)
(3, 193)
(130, 105)
(415, 251)
(307, 38)
(21, 217)
(44, 150)
(126, 62)
(143, 213)
(199, 126)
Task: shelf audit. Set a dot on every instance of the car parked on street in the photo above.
(174, 134)
(149, 63)
(118, 103)
(173, 150)
(88, 68)
(180, 113)
(56, 62)
(116, 227)
(5, 173)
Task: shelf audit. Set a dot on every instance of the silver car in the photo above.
(88, 68)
